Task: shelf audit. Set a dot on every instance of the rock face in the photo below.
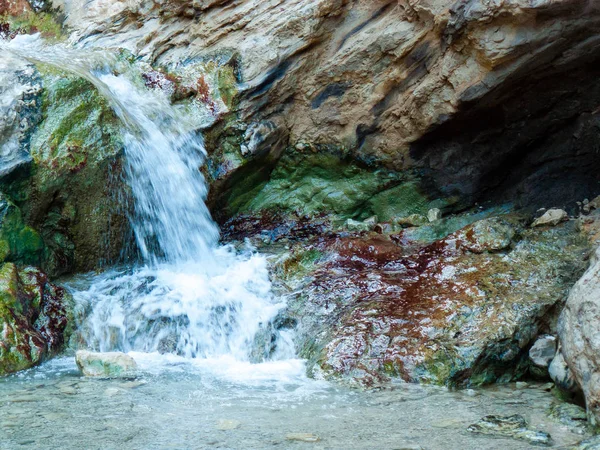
(34, 318)
(487, 99)
(580, 336)
(105, 365)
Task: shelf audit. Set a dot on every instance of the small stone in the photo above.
(471, 392)
(105, 365)
(552, 217)
(511, 426)
(521, 385)
(226, 424)
(111, 392)
(434, 214)
(355, 225)
(543, 350)
(302, 437)
(414, 220)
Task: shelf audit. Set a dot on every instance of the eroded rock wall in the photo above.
(483, 97)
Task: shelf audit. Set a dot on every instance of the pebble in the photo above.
(522, 385)
(226, 424)
(471, 393)
(302, 437)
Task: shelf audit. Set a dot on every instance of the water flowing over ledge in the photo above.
(190, 296)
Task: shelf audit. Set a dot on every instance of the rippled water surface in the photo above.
(222, 403)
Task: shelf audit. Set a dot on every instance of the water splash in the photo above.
(191, 297)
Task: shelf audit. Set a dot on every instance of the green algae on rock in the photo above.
(70, 192)
(460, 311)
(34, 318)
(19, 243)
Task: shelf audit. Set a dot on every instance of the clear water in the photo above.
(179, 403)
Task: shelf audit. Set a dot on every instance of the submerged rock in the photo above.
(573, 416)
(105, 365)
(302, 437)
(35, 320)
(511, 426)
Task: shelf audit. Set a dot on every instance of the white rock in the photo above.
(434, 214)
(105, 365)
(543, 350)
(551, 217)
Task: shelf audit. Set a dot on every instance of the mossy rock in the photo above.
(35, 318)
(73, 192)
(19, 243)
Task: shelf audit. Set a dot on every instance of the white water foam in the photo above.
(191, 298)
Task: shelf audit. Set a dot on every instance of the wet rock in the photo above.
(373, 308)
(489, 235)
(105, 365)
(35, 320)
(542, 352)
(552, 217)
(511, 426)
(227, 424)
(302, 437)
(579, 333)
(70, 191)
(575, 417)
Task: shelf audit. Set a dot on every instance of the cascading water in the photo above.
(191, 297)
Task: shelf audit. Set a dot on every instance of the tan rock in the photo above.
(552, 217)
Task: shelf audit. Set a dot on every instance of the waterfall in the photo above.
(191, 296)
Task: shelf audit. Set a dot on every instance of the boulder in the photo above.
(552, 217)
(462, 311)
(105, 365)
(579, 332)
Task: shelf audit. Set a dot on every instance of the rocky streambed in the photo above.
(175, 404)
